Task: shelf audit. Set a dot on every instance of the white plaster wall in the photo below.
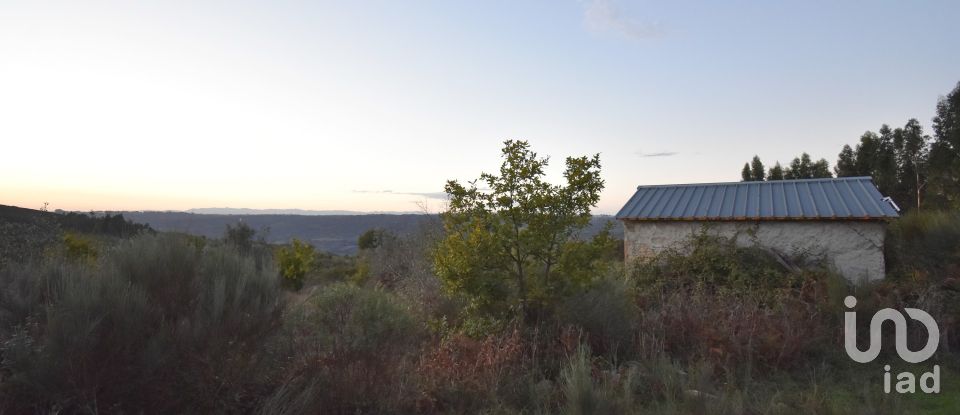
(853, 248)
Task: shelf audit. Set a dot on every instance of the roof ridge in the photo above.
(836, 198)
(765, 182)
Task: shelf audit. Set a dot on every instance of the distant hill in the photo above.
(331, 233)
(302, 212)
(26, 233)
(103, 223)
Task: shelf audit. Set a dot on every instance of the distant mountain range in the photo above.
(303, 212)
(330, 232)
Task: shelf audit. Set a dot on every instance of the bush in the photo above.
(606, 312)
(717, 264)
(740, 308)
(350, 349)
(924, 245)
(295, 261)
(78, 247)
(156, 324)
(26, 241)
(460, 374)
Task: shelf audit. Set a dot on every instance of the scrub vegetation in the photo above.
(500, 305)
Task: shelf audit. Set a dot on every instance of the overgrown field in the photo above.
(169, 323)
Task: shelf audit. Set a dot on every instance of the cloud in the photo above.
(429, 195)
(606, 15)
(373, 191)
(658, 154)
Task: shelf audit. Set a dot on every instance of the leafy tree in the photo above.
(240, 236)
(370, 239)
(846, 163)
(821, 170)
(944, 157)
(867, 150)
(756, 169)
(294, 262)
(79, 248)
(911, 151)
(512, 243)
(804, 168)
(776, 172)
(746, 174)
(883, 167)
(800, 168)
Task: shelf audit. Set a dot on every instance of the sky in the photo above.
(373, 105)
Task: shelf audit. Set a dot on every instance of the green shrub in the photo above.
(349, 320)
(156, 324)
(240, 236)
(924, 244)
(350, 349)
(26, 241)
(715, 263)
(78, 247)
(606, 312)
(295, 261)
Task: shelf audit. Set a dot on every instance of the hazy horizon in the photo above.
(372, 107)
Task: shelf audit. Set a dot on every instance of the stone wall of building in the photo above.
(853, 248)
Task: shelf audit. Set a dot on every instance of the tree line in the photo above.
(914, 168)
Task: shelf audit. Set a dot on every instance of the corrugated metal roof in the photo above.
(845, 198)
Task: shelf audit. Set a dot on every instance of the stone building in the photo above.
(842, 220)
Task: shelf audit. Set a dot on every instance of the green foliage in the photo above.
(79, 247)
(154, 324)
(344, 319)
(329, 267)
(713, 263)
(944, 155)
(240, 236)
(804, 168)
(776, 172)
(582, 396)
(904, 163)
(371, 239)
(506, 246)
(606, 312)
(294, 262)
(756, 169)
(924, 245)
(349, 347)
(25, 241)
(846, 163)
(101, 224)
(800, 168)
(753, 171)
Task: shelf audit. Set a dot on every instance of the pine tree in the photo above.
(910, 147)
(866, 153)
(846, 163)
(776, 172)
(944, 168)
(821, 170)
(745, 174)
(756, 169)
(884, 164)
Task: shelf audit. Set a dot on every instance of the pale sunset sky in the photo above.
(373, 105)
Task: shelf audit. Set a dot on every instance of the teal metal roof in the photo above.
(845, 198)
